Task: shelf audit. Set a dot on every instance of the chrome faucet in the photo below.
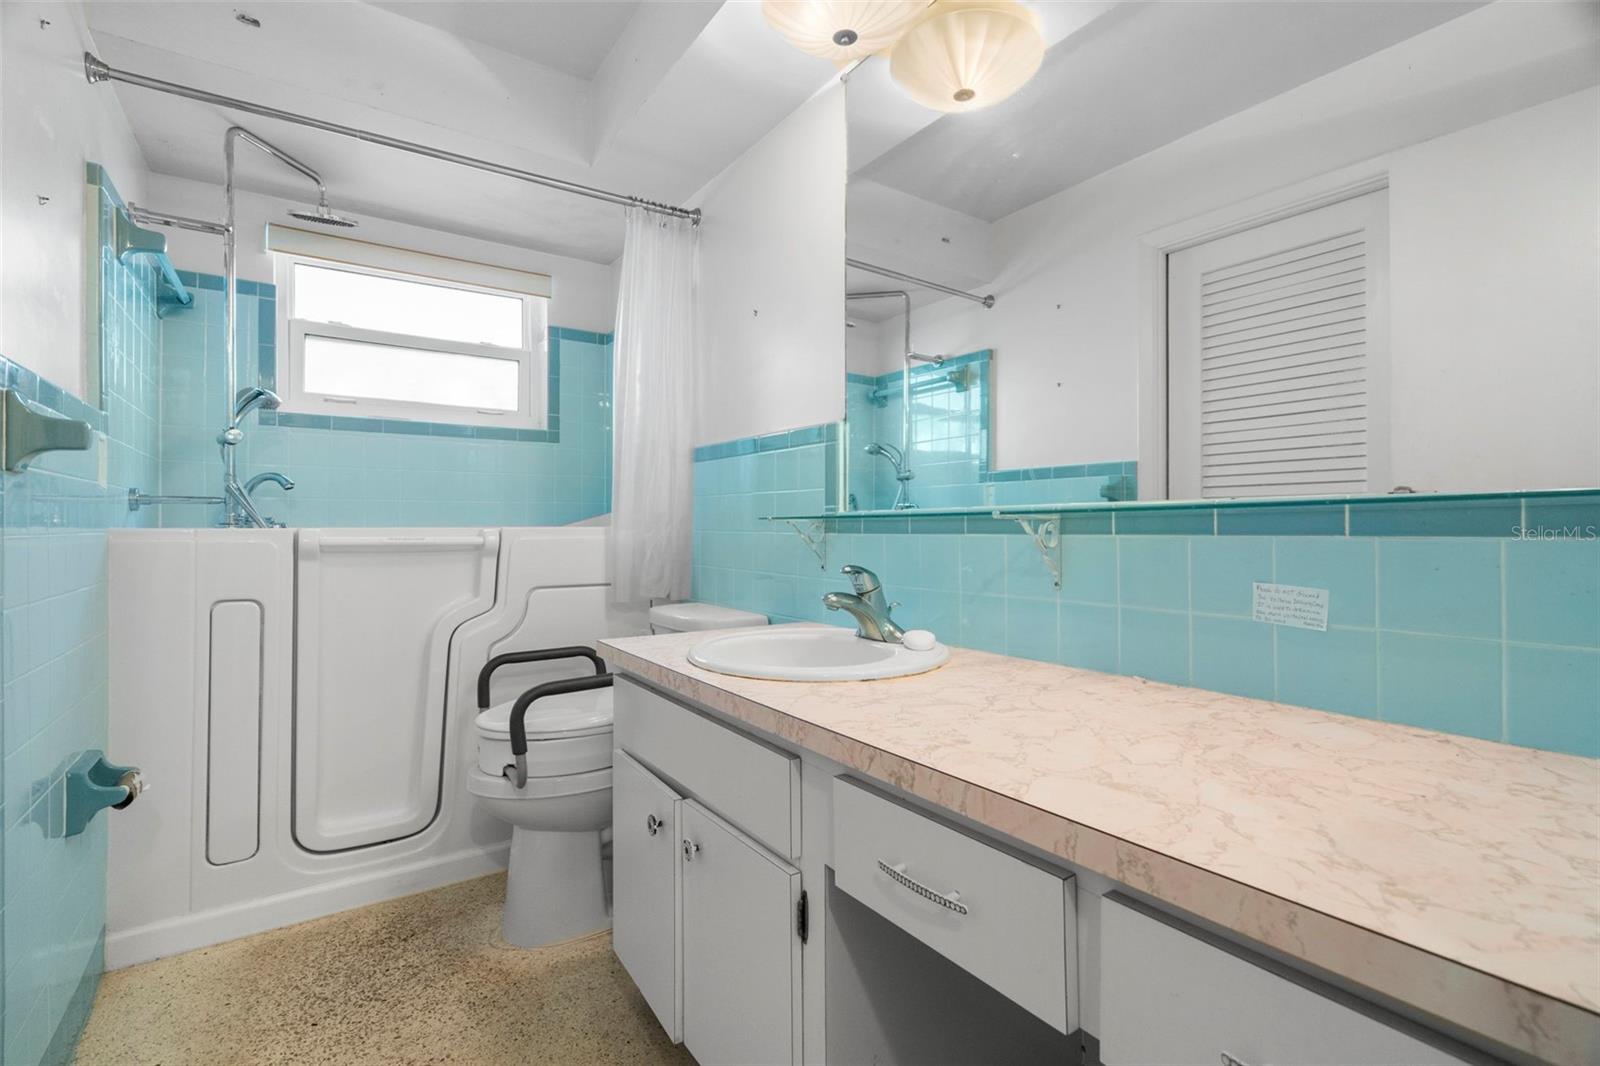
(246, 496)
(271, 475)
(867, 604)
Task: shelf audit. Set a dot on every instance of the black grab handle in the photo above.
(538, 655)
(519, 710)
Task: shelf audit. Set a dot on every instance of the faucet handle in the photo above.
(864, 580)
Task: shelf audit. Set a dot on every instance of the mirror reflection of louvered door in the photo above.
(1277, 357)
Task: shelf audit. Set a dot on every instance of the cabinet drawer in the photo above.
(1172, 995)
(1007, 921)
(751, 784)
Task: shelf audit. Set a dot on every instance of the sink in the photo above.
(820, 653)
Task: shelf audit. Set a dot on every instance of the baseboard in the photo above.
(129, 947)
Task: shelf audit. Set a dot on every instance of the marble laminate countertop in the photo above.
(1456, 875)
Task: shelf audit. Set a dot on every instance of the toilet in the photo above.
(688, 617)
(554, 884)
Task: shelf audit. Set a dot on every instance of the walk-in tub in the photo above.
(301, 702)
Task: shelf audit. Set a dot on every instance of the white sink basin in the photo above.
(823, 653)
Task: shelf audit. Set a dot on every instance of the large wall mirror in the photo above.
(1351, 251)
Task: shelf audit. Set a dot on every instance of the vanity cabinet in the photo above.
(1172, 993)
(705, 903)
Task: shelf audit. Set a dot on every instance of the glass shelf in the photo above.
(1116, 506)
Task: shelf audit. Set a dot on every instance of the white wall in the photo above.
(771, 289)
(1495, 314)
(584, 294)
(1069, 322)
(52, 121)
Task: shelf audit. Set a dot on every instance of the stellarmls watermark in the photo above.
(1590, 532)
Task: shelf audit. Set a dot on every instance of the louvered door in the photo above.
(1276, 357)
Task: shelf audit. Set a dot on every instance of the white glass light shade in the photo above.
(842, 30)
(966, 54)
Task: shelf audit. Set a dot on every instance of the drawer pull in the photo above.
(652, 824)
(1229, 1060)
(951, 901)
(689, 849)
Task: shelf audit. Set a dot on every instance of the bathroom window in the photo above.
(367, 340)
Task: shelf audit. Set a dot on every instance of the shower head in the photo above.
(252, 398)
(889, 452)
(321, 215)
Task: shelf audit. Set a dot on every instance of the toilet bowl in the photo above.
(554, 885)
(689, 617)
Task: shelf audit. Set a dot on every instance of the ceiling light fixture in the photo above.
(966, 54)
(842, 30)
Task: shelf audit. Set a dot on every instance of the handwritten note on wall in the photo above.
(1290, 605)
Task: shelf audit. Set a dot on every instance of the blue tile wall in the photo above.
(53, 698)
(370, 472)
(1480, 632)
(950, 445)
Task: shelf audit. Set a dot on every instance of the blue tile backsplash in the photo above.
(1447, 620)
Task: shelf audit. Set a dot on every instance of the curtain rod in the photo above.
(885, 272)
(97, 71)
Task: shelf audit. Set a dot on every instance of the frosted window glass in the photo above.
(337, 367)
(367, 301)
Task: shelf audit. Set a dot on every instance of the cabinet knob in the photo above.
(652, 824)
(689, 849)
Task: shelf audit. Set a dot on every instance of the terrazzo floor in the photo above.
(423, 979)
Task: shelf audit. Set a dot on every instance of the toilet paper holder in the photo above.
(94, 784)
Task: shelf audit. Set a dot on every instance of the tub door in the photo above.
(375, 614)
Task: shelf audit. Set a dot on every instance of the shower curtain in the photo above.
(652, 486)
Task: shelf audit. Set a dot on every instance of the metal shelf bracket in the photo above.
(815, 536)
(1045, 531)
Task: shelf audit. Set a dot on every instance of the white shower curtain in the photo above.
(652, 470)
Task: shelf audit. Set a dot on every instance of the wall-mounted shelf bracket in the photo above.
(129, 239)
(1045, 531)
(815, 535)
(28, 430)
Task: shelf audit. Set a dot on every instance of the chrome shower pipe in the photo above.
(237, 501)
(904, 497)
(97, 71)
(885, 272)
(146, 217)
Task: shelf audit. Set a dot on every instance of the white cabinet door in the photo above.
(644, 913)
(741, 952)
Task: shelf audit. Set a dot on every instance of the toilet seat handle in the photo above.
(537, 655)
(518, 770)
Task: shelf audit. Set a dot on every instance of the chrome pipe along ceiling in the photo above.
(98, 71)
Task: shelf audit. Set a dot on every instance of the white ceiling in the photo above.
(654, 98)
(572, 36)
(649, 99)
(1138, 76)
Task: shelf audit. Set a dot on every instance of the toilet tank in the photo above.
(687, 617)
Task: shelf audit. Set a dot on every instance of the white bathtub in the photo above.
(301, 703)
